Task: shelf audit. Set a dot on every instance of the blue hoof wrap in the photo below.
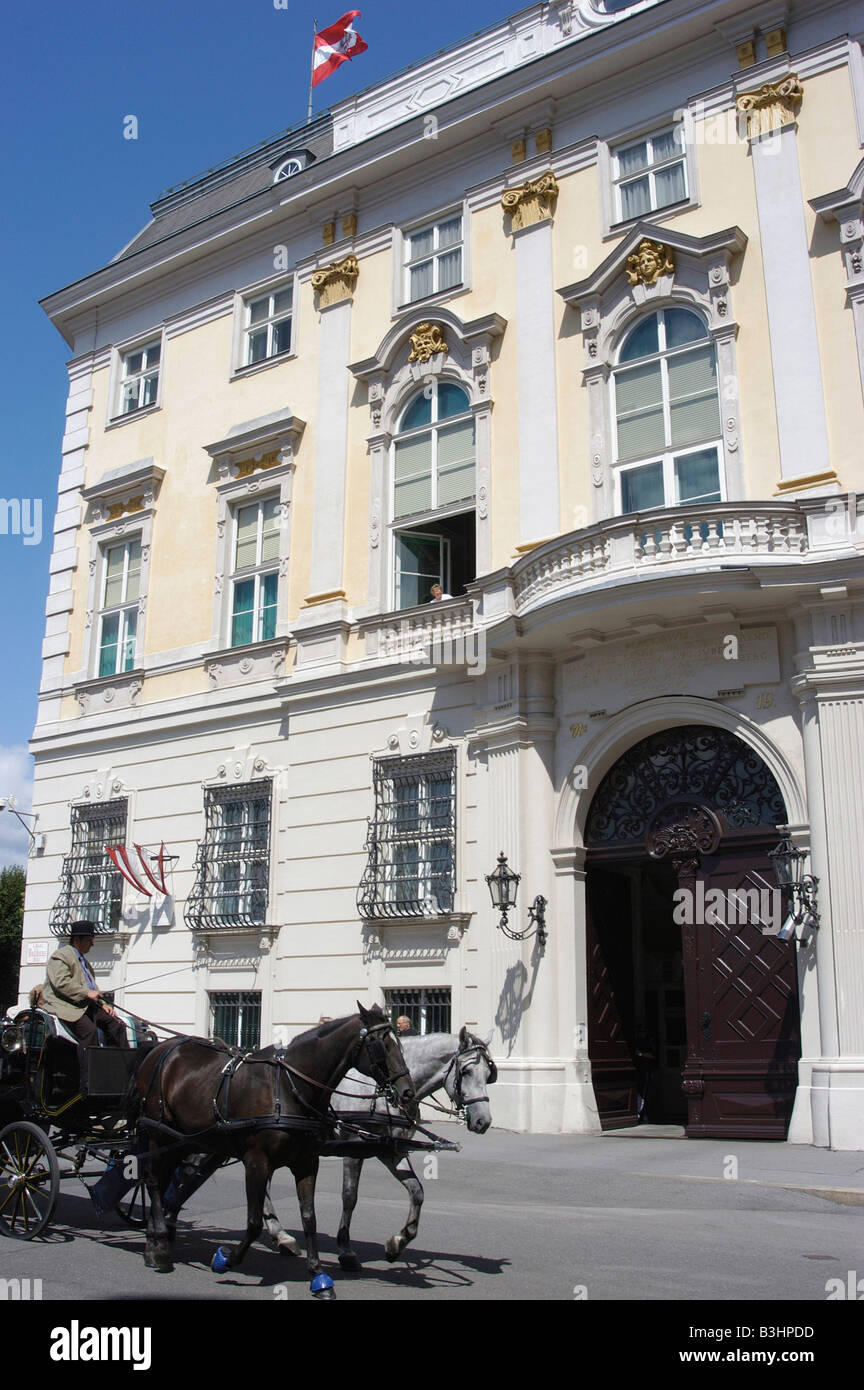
(322, 1286)
(219, 1263)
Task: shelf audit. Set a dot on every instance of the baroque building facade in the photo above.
(568, 319)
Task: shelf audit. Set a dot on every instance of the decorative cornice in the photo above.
(336, 281)
(246, 467)
(649, 261)
(771, 106)
(427, 341)
(264, 443)
(530, 202)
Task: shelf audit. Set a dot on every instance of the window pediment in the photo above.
(128, 491)
(256, 446)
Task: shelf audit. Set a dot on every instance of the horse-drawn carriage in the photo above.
(51, 1129)
(165, 1115)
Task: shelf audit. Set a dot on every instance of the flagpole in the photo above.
(312, 69)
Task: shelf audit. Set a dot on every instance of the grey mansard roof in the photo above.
(225, 185)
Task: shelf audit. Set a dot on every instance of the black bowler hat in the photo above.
(82, 928)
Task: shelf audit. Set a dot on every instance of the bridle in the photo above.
(461, 1063)
(372, 1038)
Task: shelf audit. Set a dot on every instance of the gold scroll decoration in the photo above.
(336, 281)
(118, 509)
(247, 467)
(774, 105)
(427, 341)
(530, 202)
(649, 261)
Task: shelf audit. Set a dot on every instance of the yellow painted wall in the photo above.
(201, 403)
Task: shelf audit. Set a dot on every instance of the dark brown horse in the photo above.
(267, 1109)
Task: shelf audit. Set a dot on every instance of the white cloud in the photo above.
(16, 780)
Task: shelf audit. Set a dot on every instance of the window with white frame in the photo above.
(139, 377)
(667, 413)
(255, 576)
(411, 844)
(267, 320)
(434, 481)
(432, 259)
(650, 173)
(118, 617)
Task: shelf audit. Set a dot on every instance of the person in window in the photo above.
(438, 594)
(405, 1028)
(71, 994)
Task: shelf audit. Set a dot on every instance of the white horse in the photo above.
(463, 1067)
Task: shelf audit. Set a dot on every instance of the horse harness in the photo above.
(462, 1061)
(311, 1120)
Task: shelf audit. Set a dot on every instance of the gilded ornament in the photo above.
(336, 281)
(773, 105)
(427, 341)
(530, 202)
(118, 509)
(649, 261)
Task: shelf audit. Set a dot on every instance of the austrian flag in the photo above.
(335, 45)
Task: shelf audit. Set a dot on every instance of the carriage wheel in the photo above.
(29, 1180)
(132, 1208)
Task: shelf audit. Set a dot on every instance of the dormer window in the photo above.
(294, 164)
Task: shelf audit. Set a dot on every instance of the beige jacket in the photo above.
(64, 992)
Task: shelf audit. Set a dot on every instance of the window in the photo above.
(236, 1019)
(650, 174)
(118, 622)
(433, 259)
(411, 869)
(139, 378)
(434, 472)
(255, 582)
(233, 861)
(288, 169)
(267, 325)
(667, 413)
(428, 1009)
(92, 886)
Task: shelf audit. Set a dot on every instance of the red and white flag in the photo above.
(335, 45)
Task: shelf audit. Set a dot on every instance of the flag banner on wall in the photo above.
(335, 45)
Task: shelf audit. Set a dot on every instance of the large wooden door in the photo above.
(741, 988)
(610, 997)
(701, 802)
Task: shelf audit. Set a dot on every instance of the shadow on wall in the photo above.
(515, 998)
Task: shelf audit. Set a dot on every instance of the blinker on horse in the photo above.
(270, 1111)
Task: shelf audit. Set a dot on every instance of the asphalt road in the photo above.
(510, 1217)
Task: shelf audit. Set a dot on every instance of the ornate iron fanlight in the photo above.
(503, 887)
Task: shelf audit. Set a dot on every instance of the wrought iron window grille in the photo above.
(92, 887)
(427, 1009)
(411, 841)
(232, 865)
(236, 1019)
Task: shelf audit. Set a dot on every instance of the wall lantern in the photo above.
(799, 890)
(503, 886)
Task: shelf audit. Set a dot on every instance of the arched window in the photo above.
(434, 486)
(667, 414)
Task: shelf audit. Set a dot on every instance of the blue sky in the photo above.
(205, 80)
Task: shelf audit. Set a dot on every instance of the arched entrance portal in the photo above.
(691, 1005)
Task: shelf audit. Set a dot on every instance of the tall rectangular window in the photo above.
(255, 581)
(433, 259)
(139, 377)
(118, 621)
(411, 844)
(650, 174)
(92, 888)
(236, 1019)
(267, 327)
(232, 877)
